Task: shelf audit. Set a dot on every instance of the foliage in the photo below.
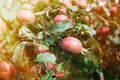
(27, 45)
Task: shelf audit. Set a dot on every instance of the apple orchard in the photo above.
(59, 40)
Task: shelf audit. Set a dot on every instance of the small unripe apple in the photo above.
(60, 18)
(113, 10)
(26, 16)
(82, 4)
(99, 9)
(72, 45)
(66, 3)
(26, 6)
(3, 26)
(7, 70)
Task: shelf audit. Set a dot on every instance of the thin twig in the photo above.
(43, 12)
(101, 76)
(2, 44)
(102, 18)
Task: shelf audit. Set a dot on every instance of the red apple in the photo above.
(104, 30)
(113, 10)
(26, 16)
(82, 4)
(50, 66)
(7, 70)
(33, 69)
(66, 3)
(60, 18)
(72, 45)
(99, 9)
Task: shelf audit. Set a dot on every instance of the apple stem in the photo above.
(101, 18)
(45, 66)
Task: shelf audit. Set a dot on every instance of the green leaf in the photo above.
(95, 45)
(79, 26)
(44, 45)
(116, 40)
(40, 5)
(18, 53)
(46, 57)
(60, 67)
(74, 8)
(40, 35)
(10, 38)
(48, 76)
(61, 26)
(26, 32)
(89, 30)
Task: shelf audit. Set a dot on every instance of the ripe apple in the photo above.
(72, 45)
(26, 16)
(82, 4)
(105, 30)
(60, 18)
(99, 9)
(113, 10)
(66, 3)
(3, 26)
(7, 70)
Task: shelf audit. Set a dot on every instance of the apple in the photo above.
(72, 45)
(26, 16)
(66, 3)
(60, 18)
(7, 70)
(50, 66)
(32, 70)
(3, 26)
(82, 4)
(99, 9)
(113, 10)
(105, 30)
